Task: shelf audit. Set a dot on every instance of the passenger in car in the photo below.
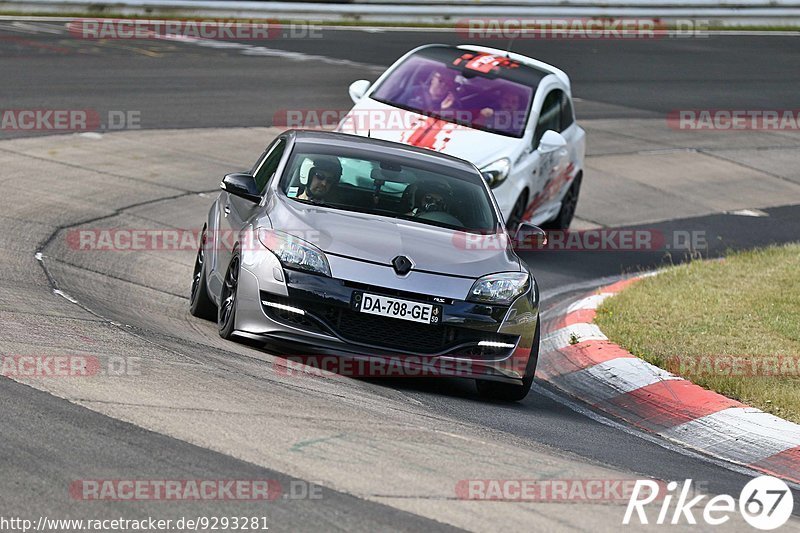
(507, 115)
(430, 196)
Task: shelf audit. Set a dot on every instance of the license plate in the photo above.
(375, 304)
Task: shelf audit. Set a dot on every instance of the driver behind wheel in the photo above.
(430, 196)
(322, 178)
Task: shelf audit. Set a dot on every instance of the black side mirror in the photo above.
(241, 184)
(529, 237)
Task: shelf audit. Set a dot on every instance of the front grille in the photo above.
(386, 333)
(397, 335)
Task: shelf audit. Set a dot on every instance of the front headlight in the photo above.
(496, 173)
(500, 288)
(294, 252)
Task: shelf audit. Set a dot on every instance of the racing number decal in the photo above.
(485, 63)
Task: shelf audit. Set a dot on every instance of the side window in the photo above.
(550, 117)
(270, 164)
(567, 116)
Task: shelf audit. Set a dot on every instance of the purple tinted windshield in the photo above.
(429, 87)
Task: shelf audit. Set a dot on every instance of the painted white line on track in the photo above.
(219, 44)
(66, 296)
(14, 28)
(253, 50)
(40, 28)
(749, 213)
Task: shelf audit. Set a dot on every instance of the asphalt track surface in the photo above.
(47, 442)
(177, 86)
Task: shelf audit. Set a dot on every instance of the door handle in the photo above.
(227, 210)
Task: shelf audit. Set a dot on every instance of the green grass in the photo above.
(690, 316)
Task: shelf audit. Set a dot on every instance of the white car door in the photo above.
(550, 165)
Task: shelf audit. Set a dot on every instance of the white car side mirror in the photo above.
(358, 89)
(551, 141)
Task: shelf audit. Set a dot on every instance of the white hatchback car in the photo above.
(508, 114)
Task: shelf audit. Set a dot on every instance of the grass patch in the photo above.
(732, 326)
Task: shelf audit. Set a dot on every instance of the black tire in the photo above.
(516, 213)
(226, 316)
(200, 304)
(568, 206)
(509, 392)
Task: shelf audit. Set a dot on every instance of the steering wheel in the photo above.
(440, 216)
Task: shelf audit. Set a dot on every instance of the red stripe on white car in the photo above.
(432, 133)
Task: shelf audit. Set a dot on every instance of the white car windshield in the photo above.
(481, 91)
(389, 186)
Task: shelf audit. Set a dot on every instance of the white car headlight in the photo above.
(496, 173)
(294, 252)
(500, 288)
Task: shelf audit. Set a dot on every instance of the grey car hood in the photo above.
(377, 239)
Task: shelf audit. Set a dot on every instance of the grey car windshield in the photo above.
(395, 187)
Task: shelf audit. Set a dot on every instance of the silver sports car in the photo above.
(359, 248)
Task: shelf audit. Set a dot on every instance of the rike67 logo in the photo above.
(766, 503)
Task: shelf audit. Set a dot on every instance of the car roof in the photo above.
(525, 60)
(356, 142)
(470, 63)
